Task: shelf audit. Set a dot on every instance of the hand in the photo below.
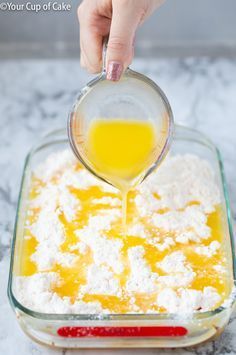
(117, 18)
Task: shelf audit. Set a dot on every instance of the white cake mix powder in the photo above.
(175, 201)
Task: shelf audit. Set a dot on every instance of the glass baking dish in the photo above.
(129, 330)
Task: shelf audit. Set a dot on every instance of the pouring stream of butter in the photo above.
(122, 150)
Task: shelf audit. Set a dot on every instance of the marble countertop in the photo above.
(35, 97)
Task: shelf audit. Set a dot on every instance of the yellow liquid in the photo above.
(120, 150)
(72, 280)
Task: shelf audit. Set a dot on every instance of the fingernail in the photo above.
(114, 71)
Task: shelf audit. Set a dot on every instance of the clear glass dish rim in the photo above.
(118, 317)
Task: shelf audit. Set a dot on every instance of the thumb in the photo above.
(125, 20)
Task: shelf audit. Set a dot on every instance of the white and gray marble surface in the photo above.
(35, 97)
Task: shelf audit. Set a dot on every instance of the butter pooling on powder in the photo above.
(179, 181)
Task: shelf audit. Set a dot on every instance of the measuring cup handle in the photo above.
(104, 54)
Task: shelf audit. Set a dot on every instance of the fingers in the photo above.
(91, 50)
(125, 20)
(121, 18)
(90, 42)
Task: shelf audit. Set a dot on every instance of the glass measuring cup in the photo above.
(134, 98)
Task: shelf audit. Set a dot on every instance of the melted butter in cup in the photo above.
(121, 131)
